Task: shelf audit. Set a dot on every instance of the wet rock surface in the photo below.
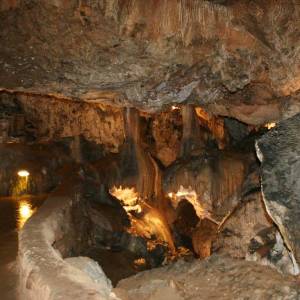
(279, 152)
(215, 278)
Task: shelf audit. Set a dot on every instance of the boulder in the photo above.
(279, 153)
(217, 277)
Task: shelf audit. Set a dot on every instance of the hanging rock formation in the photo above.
(236, 58)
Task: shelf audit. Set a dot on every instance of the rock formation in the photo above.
(219, 278)
(235, 58)
(162, 100)
(279, 153)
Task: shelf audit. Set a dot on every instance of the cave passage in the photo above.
(149, 149)
(183, 184)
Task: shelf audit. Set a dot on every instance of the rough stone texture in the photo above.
(244, 224)
(217, 179)
(54, 120)
(236, 58)
(214, 278)
(268, 248)
(44, 274)
(279, 152)
(215, 125)
(102, 126)
(167, 133)
(92, 269)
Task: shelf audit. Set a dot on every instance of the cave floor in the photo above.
(218, 277)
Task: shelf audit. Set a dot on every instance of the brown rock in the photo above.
(238, 59)
(203, 237)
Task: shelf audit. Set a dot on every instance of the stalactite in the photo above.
(190, 135)
(139, 170)
(129, 163)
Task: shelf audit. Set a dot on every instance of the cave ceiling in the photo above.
(234, 58)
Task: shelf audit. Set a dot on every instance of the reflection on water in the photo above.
(24, 212)
(14, 212)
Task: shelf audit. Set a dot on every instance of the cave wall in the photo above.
(55, 119)
(48, 118)
(278, 152)
(166, 131)
(217, 178)
(234, 58)
(9, 4)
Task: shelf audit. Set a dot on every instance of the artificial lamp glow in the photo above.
(174, 107)
(23, 173)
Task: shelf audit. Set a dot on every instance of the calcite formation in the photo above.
(235, 58)
(101, 124)
(179, 89)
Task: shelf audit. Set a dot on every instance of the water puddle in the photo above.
(14, 212)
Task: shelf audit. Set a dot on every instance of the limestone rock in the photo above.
(91, 268)
(238, 58)
(242, 226)
(268, 248)
(203, 237)
(215, 278)
(167, 132)
(279, 152)
(56, 119)
(216, 179)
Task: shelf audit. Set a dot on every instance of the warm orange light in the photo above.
(191, 196)
(214, 124)
(128, 197)
(140, 261)
(270, 125)
(21, 184)
(25, 211)
(175, 107)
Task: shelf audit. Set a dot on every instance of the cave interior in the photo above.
(174, 125)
